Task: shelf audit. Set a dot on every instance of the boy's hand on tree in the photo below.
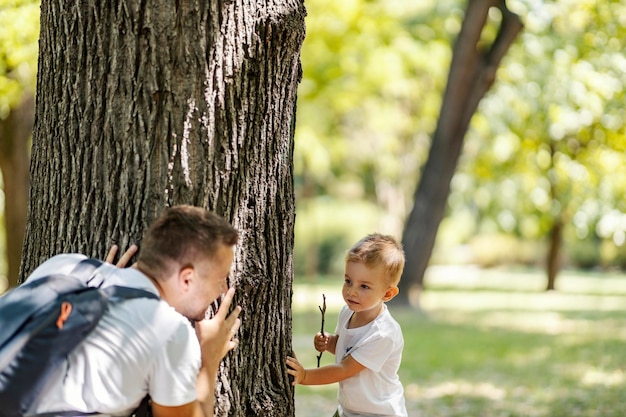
(295, 369)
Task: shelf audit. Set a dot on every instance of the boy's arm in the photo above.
(326, 374)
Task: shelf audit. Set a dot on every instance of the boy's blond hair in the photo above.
(378, 250)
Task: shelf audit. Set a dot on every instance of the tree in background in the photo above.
(476, 56)
(371, 89)
(548, 164)
(19, 21)
(145, 105)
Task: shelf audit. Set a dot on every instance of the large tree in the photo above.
(475, 60)
(142, 105)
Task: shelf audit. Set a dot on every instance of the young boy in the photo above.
(368, 341)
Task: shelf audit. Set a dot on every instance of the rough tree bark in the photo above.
(146, 104)
(15, 133)
(472, 72)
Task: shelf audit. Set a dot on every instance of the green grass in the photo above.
(495, 347)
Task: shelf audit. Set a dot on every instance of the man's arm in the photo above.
(203, 407)
(192, 409)
(217, 338)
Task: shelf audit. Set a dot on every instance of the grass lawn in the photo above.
(493, 344)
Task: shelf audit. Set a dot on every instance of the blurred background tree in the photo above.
(543, 163)
(19, 33)
(487, 32)
(369, 98)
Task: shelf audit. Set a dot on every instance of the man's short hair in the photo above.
(182, 234)
(378, 250)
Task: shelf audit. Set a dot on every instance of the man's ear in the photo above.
(390, 293)
(185, 277)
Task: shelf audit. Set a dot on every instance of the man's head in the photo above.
(188, 251)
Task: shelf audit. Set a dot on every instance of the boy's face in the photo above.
(365, 288)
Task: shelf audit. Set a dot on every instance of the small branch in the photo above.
(323, 311)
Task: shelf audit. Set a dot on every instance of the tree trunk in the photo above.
(15, 133)
(553, 260)
(554, 253)
(472, 72)
(143, 105)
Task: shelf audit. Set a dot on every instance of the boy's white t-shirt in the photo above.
(377, 390)
(140, 346)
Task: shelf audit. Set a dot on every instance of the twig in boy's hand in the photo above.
(323, 311)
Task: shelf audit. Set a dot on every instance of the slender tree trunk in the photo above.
(142, 105)
(472, 72)
(554, 253)
(15, 133)
(553, 259)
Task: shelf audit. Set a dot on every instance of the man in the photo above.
(144, 346)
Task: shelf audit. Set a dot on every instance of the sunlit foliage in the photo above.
(19, 33)
(548, 139)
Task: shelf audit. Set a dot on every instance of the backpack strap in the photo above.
(116, 293)
(87, 271)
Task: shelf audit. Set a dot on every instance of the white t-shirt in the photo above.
(140, 346)
(376, 390)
